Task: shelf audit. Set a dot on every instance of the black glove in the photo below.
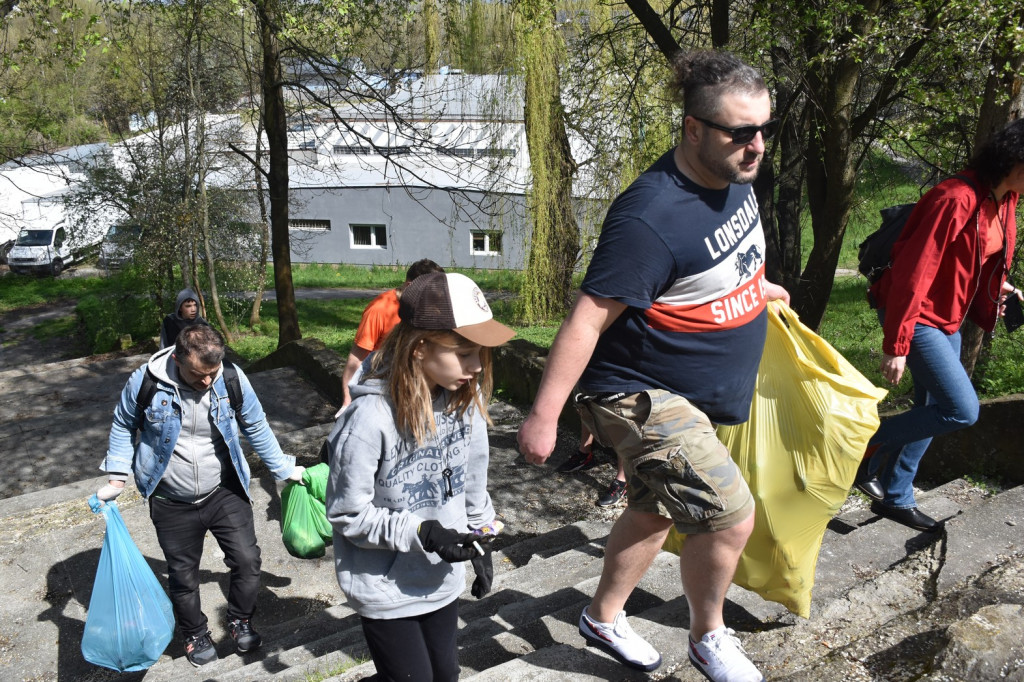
(484, 574)
(450, 545)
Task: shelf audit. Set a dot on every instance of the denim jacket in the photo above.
(149, 456)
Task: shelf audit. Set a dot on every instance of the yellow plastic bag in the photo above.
(811, 418)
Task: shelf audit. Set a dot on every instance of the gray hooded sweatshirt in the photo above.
(201, 458)
(382, 486)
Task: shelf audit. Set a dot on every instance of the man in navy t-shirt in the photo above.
(664, 342)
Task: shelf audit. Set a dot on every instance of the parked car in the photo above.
(5, 248)
(118, 246)
(41, 251)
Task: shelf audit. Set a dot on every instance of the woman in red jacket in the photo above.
(950, 263)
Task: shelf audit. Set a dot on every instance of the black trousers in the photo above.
(419, 649)
(181, 528)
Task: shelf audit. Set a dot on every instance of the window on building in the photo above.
(486, 242)
(309, 225)
(352, 149)
(474, 153)
(355, 150)
(369, 236)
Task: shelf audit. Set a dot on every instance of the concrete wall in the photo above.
(991, 448)
(994, 447)
(314, 360)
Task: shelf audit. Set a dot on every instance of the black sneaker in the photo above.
(616, 493)
(246, 639)
(581, 461)
(199, 649)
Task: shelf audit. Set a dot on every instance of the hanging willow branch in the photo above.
(547, 285)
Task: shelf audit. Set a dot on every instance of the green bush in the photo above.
(108, 318)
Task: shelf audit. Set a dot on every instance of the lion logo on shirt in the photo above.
(747, 263)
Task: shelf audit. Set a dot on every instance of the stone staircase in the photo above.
(889, 603)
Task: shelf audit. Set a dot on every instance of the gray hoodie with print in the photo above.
(382, 486)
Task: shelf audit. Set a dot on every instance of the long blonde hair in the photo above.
(410, 391)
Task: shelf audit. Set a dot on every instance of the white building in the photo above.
(436, 169)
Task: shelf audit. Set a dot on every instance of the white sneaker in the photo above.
(721, 658)
(618, 639)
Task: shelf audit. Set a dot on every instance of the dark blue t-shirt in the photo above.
(689, 263)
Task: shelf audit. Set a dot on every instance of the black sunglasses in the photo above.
(745, 134)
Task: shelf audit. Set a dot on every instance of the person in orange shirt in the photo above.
(379, 317)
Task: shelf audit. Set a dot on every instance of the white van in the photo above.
(41, 251)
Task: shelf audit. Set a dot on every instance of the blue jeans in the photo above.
(944, 401)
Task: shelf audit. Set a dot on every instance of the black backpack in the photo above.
(148, 389)
(875, 253)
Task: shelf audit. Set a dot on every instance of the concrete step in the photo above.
(59, 437)
(901, 621)
(846, 558)
(779, 642)
(50, 554)
(55, 394)
(518, 619)
(875, 579)
(526, 629)
(25, 376)
(546, 562)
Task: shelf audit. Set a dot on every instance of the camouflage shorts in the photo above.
(675, 465)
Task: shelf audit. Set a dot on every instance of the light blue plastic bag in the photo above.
(130, 620)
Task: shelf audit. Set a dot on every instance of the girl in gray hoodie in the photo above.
(408, 483)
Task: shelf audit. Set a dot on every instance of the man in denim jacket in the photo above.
(188, 463)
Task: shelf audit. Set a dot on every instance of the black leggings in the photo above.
(420, 648)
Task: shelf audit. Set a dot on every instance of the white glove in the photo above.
(109, 492)
(297, 474)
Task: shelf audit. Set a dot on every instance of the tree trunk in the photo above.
(198, 105)
(720, 23)
(830, 190)
(204, 229)
(554, 252)
(831, 167)
(655, 27)
(261, 276)
(1002, 103)
(276, 124)
(780, 193)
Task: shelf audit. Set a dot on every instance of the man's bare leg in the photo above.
(706, 565)
(634, 542)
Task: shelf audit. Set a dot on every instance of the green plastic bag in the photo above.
(305, 530)
(315, 478)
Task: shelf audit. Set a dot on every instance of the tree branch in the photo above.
(655, 27)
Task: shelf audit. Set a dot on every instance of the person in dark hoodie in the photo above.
(408, 482)
(188, 462)
(186, 312)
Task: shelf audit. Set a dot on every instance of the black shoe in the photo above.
(199, 649)
(581, 461)
(616, 493)
(246, 638)
(912, 517)
(871, 487)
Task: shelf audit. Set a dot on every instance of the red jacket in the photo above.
(937, 276)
